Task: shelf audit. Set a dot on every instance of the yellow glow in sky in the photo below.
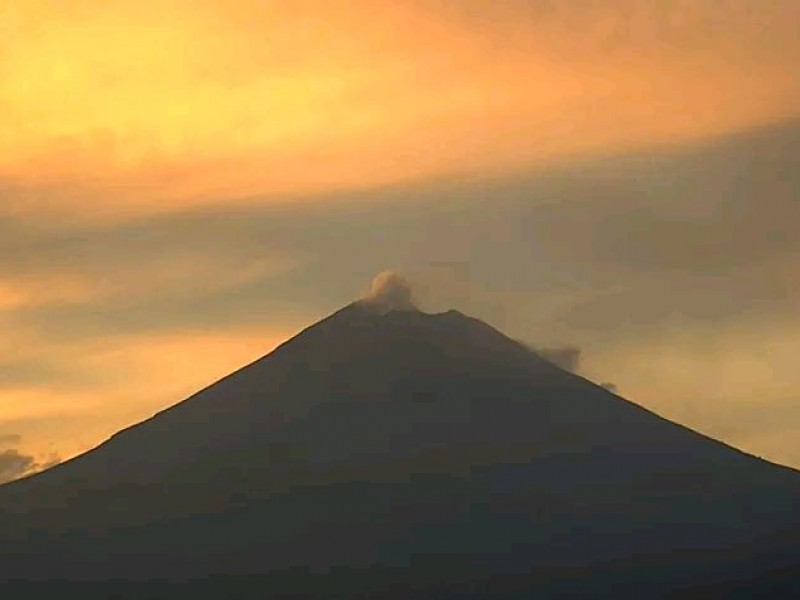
(157, 105)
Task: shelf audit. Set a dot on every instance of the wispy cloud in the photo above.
(565, 357)
(15, 464)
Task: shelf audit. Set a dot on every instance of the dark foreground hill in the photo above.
(404, 455)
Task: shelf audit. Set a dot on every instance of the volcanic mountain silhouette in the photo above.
(404, 455)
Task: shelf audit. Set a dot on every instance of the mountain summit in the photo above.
(395, 453)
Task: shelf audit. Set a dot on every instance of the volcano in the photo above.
(400, 454)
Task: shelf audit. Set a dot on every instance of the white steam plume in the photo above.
(389, 291)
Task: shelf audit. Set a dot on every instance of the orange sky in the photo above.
(171, 104)
(119, 111)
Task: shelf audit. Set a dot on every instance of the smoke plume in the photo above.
(569, 359)
(565, 357)
(388, 292)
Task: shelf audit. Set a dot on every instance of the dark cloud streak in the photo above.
(15, 464)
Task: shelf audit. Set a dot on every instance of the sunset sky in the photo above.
(185, 184)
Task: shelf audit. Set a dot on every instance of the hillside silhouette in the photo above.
(399, 454)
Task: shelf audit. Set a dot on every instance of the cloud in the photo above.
(550, 253)
(613, 254)
(50, 461)
(569, 358)
(15, 464)
(388, 292)
(279, 103)
(73, 270)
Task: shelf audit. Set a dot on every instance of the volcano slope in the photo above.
(405, 455)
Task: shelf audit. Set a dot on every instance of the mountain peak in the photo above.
(382, 434)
